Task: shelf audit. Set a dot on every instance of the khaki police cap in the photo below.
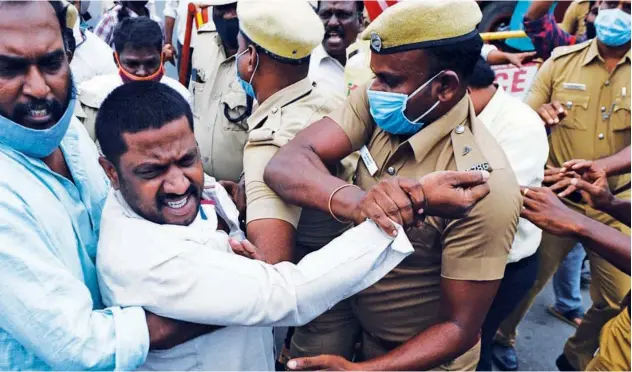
(417, 24)
(287, 30)
(72, 15)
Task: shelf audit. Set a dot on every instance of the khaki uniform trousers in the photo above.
(337, 332)
(614, 345)
(608, 287)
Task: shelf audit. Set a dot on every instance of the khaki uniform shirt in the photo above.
(273, 124)
(574, 16)
(598, 105)
(406, 301)
(216, 94)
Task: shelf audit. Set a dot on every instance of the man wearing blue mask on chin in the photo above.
(414, 118)
(582, 94)
(52, 191)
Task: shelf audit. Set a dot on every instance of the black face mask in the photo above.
(227, 30)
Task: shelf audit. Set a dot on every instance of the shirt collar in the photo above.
(278, 100)
(319, 54)
(421, 143)
(493, 107)
(593, 52)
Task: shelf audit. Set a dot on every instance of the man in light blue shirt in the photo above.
(52, 191)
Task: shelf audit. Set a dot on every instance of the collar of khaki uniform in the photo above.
(423, 141)
(278, 100)
(593, 52)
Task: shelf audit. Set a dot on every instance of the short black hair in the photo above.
(460, 57)
(483, 75)
(135, 107)
(137, 33)
(359, 6)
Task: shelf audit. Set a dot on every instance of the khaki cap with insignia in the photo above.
(417, 24)
(287, 30)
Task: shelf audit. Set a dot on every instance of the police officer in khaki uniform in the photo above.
(415, 118)
(574, 17)
(275, 42)
(220, 105)
(583, 93)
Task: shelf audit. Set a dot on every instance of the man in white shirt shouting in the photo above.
(164, 248)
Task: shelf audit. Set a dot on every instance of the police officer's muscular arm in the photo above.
(545, 210)
(299, 174)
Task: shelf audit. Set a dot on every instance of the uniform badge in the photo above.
(480, 167)
(376, 42)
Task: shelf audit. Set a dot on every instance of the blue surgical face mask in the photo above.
(246, 85)
(388, 108)
(36, 143)
(613, 27)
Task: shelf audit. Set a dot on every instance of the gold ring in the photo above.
(524, 193)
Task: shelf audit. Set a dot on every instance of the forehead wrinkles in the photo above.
(161, 147)
(31, 36)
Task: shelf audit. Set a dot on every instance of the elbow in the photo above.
(467, 338)
(274, 170)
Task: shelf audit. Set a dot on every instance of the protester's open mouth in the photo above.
(182, 206)
(38, 114)
(333, 36)
(178, 204)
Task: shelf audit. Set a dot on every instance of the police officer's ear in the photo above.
(110, 171)
(447, 86)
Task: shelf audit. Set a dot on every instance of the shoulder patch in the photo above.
(570, 49)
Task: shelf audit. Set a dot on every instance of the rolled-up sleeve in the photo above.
(171, 9)
(48, 309)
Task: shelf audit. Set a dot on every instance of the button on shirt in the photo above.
(216, 95)
(328, 74)
(52, 314)
(274, 123)
(520, 133)
(407, 300)
(577, 77)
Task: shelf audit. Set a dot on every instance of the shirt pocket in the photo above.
(234, 107)
(198, 79)
(576, 106)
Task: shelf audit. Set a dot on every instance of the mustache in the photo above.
(53, 106)
(339, 30)
(192, 190)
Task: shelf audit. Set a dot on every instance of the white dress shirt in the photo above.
(190, 273)
(93, 57)
(177, 10)
(520, 133)
(327, 73)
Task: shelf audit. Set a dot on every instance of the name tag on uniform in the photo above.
(574, 86)
(370, 164)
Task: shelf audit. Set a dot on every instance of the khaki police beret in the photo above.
(286, 29)
(417, 24)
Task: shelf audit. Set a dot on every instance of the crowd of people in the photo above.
(361, 181)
